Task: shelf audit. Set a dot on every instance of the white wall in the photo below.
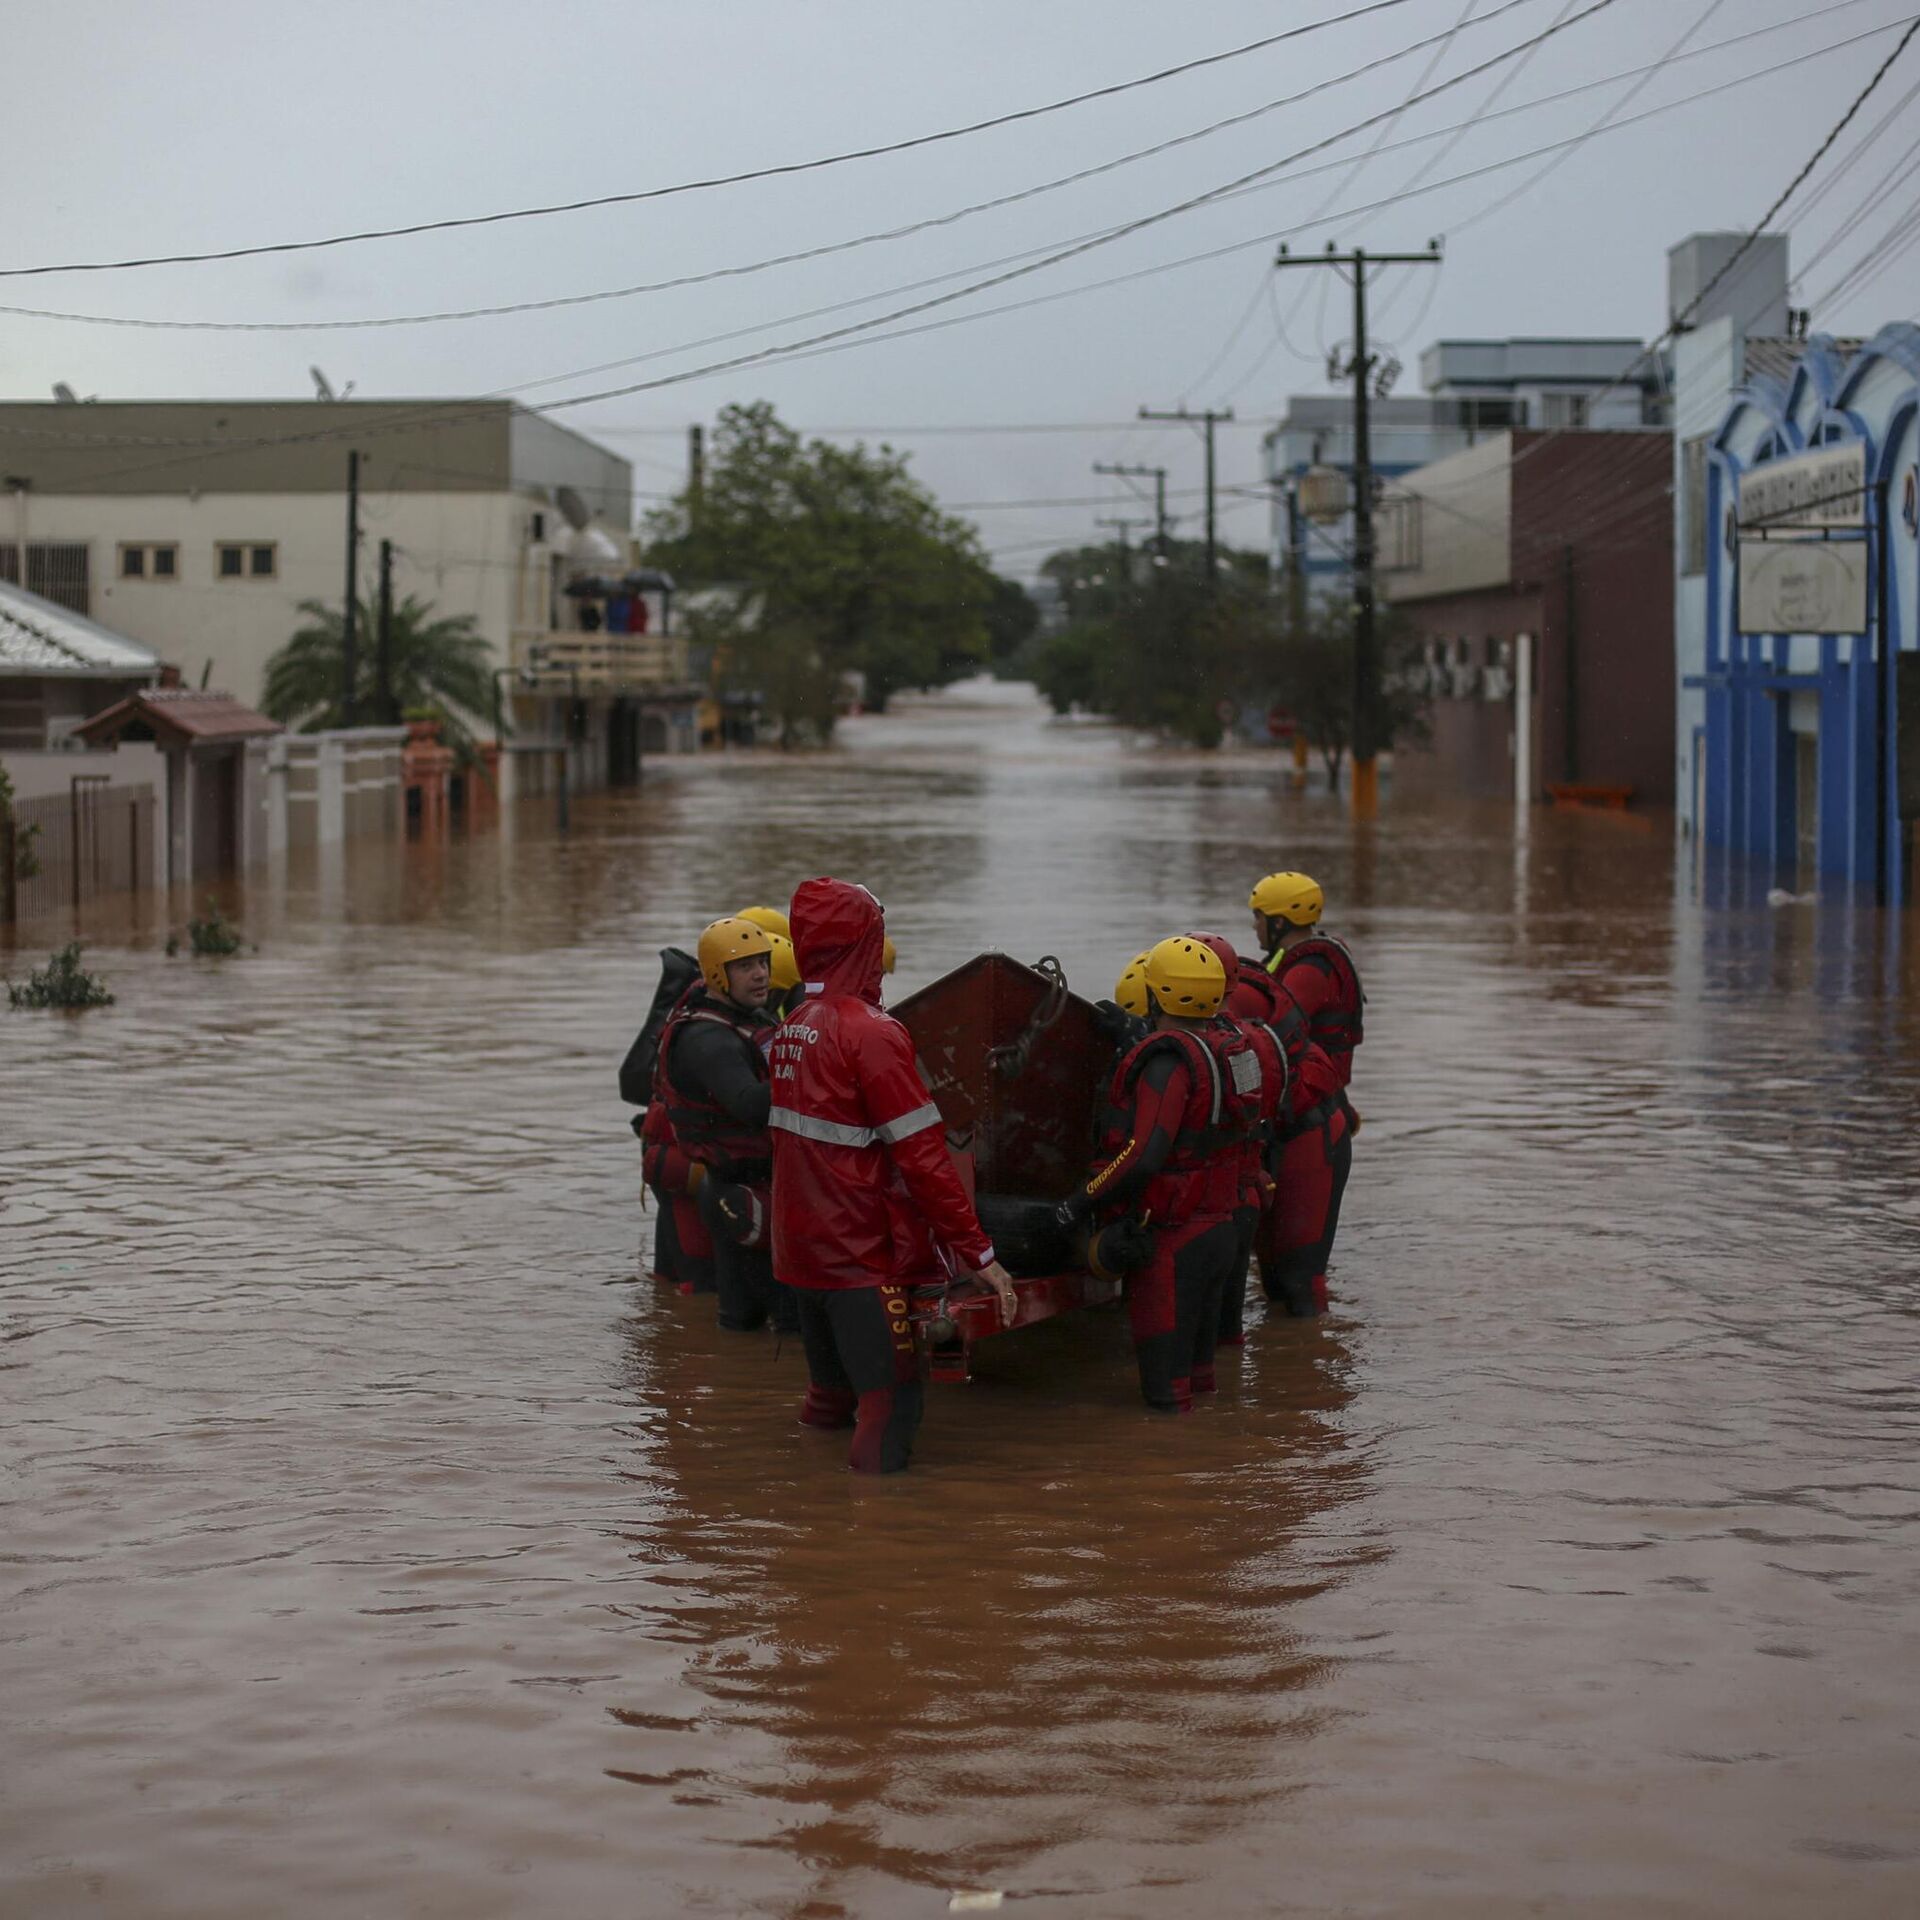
(1707, 365)
(461, 551)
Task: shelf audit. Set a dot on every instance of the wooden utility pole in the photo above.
(1158, 475)
(350, 618)
(383, 641)
(1121, 528)
(1208, 418)
(1366, 648)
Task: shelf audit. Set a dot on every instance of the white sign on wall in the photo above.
(1803, 586)
(1825, 488)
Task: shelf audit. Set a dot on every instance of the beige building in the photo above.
(198, 527)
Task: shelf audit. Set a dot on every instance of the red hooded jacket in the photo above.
(863, 1186)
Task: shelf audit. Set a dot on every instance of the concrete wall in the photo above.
(316, 789)
(461, 550)
(1465, 506)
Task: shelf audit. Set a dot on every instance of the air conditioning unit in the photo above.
(1496, 684)
(1465, 681)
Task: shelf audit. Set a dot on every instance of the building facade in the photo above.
(1475, 390)
(1801, 556)
(200, 527)
(1534, 587)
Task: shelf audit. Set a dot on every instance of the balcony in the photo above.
(566, 663)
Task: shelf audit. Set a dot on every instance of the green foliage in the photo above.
(844, 563)
(1147, 644)
(440, 668)
(62, 982)
(25, 862)
(216, 936)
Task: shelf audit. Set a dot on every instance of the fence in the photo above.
(92, 840)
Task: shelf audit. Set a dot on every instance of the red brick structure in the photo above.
(1565, 537)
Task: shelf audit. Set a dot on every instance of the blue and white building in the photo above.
(1797, 630)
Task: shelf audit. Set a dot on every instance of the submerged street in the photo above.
(376, 1541)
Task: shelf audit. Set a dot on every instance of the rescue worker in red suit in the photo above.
(711, 1081)
(866, 1201)
(1314, 1003)
(1263, 1148)
(1186, 1099)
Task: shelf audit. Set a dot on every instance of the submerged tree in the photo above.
(843, 562)
(439, 663)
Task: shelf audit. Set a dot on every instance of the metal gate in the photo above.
(92, 840)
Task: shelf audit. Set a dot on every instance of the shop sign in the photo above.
(1803, 586)
(1810, 492)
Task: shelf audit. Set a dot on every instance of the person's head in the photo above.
(1285, 906)
(783, 966)
(1185, 981)
(1130, 990)
(767, 919)
(839, 935)
(1221, 948)
(734, 958)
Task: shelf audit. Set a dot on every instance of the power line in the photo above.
(750, 267)
(433, 412)
(717, 180)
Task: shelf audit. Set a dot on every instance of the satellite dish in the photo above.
(65, 394)
(573, 509)
(322, 386)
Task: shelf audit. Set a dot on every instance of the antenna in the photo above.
(65, 394)
(573, 509)
(323, 387)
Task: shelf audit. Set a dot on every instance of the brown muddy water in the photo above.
(374, 1544)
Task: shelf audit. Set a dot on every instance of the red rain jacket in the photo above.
(1313, 1077)
(863, 1186)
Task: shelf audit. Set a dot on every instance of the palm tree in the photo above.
(440, 664)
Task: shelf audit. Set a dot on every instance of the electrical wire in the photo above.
(713, 181)
(753, 266)
(802, 350)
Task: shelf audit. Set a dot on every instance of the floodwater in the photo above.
(374, 1543)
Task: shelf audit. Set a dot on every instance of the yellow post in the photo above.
(1366, 789)
(1299, 758)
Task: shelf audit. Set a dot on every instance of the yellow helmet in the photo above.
(889, 954)
(785, 964)
(1130, 990)
(768, 920)
(735, 938)
(1185, 978)
(1293, 897)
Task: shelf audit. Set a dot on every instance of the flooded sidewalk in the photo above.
(376, 1542)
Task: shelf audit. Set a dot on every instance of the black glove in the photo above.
(1124, 1247)
(1111, 1022)
(638, 1122)
(736, 1211)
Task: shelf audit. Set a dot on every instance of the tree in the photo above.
(1313, 680)
(442, 664)
(845, 560)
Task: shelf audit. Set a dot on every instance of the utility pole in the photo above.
(350, 619)
(1158, 475)
(383, 643)
(1121, 528)
(1209, 418)
(1366, 649)
(696, 470)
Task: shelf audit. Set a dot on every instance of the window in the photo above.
(1562, 410)
(1693, 505)
(57, 570)
(246, 560)
(149, 560)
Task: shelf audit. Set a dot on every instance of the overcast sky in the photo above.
(169, 127)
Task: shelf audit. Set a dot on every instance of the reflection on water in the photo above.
(373, 1543)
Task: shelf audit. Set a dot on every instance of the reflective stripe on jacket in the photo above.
(864, 1189)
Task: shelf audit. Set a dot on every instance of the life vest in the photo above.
(705, 1131)
(1203, 1171)
(1279, 1011)
(1338, 1029)
(1273, 1103)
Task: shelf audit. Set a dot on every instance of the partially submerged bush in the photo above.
(216, 935)
(62, 982)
